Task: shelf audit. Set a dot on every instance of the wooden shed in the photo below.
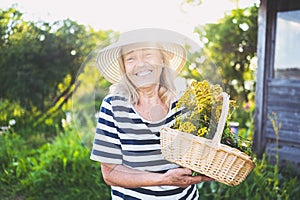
(278, 81)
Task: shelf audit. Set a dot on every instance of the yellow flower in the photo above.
(200, 99)
(187, 127)
(202, 131)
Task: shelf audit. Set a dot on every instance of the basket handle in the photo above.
(225, 108)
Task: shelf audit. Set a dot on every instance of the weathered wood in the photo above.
(286, 126)
(258, 140)
(288, 155)
(283, 99)
(284, 136)
(284, 5)
(280, 96)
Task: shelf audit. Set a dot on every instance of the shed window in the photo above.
(287, 46)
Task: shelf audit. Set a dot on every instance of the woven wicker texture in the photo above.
(207, 156)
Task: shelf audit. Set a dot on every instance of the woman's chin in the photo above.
(147, 81)
(146, 84)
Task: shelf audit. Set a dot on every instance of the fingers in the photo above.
(194, 179)
(182, 177)
(188, 171)
(190, 180)
(201, 178)
(206, 178)
(182, 171)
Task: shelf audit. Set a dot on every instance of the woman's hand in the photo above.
(182, 177)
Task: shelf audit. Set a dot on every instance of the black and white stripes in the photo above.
(124, 137)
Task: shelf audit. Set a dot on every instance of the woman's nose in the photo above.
(140, 61)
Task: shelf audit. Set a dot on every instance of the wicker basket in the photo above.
(207, 156)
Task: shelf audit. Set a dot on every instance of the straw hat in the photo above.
(171, 42)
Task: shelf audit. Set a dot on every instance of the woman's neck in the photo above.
(149, 95)
(150, 106)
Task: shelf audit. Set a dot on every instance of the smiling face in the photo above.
(143, 64)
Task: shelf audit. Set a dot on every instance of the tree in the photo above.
(40, 61)
(232, 45)
(229, 53)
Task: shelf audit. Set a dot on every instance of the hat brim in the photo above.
(171, 42)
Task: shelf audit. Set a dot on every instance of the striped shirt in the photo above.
(123, 137)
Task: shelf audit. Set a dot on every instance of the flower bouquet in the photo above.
(189, 142)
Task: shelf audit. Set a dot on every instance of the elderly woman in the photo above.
(141, 101)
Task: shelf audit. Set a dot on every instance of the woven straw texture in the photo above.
(207, 156)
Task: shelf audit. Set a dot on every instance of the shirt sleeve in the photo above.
(106, 147)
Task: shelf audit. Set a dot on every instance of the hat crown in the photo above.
(170, 41)
(151, 35)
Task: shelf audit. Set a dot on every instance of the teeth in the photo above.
(143, 73)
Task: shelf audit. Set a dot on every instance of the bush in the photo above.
(14, 165)
(57, 170)
(265, 182)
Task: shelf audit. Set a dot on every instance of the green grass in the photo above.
(37, 168)
(60, 169)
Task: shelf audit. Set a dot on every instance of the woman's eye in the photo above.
(148, 53)
(129, 59)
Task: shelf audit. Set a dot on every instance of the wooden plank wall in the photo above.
(273, 95)
(283, 99)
